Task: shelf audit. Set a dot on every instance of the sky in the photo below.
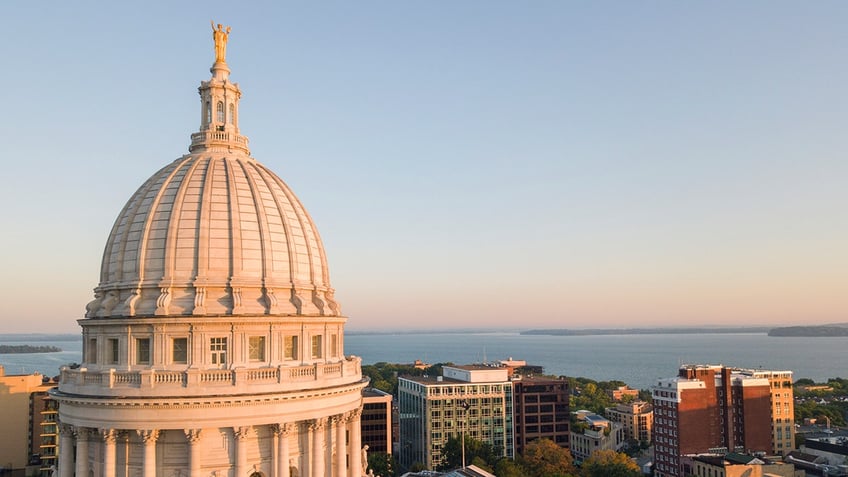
(480, 164)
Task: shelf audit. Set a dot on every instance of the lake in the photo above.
(637, 360)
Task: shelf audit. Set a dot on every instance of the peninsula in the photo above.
(22, 349)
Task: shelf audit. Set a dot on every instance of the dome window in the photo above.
(232, 113)
(218, 348)
(207, 114)
(220, 111)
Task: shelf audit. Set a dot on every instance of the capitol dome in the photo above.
(213, 233)
(213, 345)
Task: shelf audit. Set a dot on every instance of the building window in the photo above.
(334, 345)
(179, 350)
(114, 348)
(220, 110)
(290, 351)
(317, 352)
(218, 348)
(142, 351)
(232, 117)
(256, 348)
(207, 116)
(91, 351)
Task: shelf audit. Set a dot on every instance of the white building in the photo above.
(472, 400)
(213, 345)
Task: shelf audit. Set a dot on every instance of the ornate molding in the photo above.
(108, 436)
(284, 429)
(148, 435)
(241, 433)
(317, 424)
(192, 435)
(66, 430)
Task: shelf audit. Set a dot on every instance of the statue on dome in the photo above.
(220, 35)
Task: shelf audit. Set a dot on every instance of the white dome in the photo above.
(213, 234)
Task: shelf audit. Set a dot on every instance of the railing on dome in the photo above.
(284, 377)
(217, 138)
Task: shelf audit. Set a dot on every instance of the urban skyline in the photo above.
(574, 165)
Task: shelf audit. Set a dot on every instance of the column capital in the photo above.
(67, 430)
(283, 429)
(148, 435)
(81, 433)
(108, 435)
(317, 424)
(192, 435)
(354, 414)
(241, 433)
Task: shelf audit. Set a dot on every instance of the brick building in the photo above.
(709, 408)
(541, 411)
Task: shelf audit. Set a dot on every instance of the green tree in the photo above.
(543, 458)
(383, 464)
(478, 452)
(609, 463)
(510, 468)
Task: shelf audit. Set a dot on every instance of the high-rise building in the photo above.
(213, 345)
(709, 409)
(541, 411)
(45, 430)
(782, 408)
(475, 401)
(21, 420)
(637, 419)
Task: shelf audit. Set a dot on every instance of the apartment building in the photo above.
(709, 408)
(541, 411)
(636, 418)
(475, 400)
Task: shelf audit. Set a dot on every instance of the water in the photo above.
(637, 360)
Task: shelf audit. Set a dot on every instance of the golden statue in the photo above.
(220, 35)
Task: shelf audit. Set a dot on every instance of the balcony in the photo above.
(199, 382)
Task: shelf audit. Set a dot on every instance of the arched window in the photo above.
(232, 113)
(220, 110)
(207, 115)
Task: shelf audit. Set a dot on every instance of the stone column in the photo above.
(354, 427)
(148, 437)
(193, 437)
(283, 431)
(240, 436)
(318, 454)
(82, 435)
(108, 436)
(66, 447)
(340, 467)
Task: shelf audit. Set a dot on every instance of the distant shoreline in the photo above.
(27, 349)
(644, 331)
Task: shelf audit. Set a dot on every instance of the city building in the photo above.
(637, 419)
(20, 413)
(594, 433)
(622, 392)
(740, 465)
(377, 420)
(44, 430)
(214, 344)
(782, 408)
(541, 410)
(709, 409)
(466, 400)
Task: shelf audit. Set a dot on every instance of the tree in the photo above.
(543, 457)
(609, 463)
(383, 464)
(476, 451)
(509, 468)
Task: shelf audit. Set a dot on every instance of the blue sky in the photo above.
(557, 164)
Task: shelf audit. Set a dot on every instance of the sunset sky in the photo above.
(468, 164)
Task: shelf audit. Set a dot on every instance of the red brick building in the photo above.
(541, 411)
(709, 409)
